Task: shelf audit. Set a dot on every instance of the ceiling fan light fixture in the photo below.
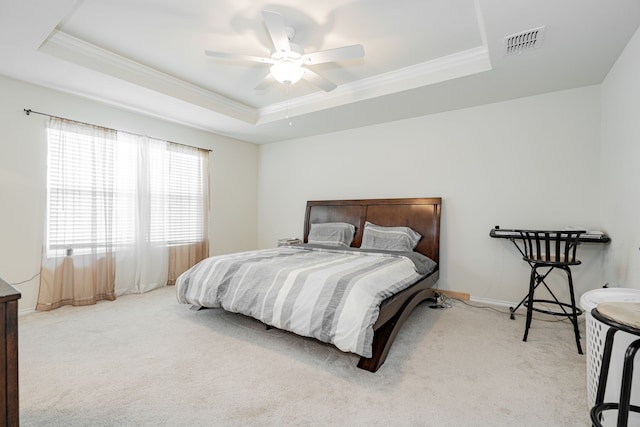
(288, 60)
(287, 72)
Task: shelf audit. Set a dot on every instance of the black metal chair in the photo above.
(621, 316)
(546, 251)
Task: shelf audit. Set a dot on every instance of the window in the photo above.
(108, 190)
(184, 210)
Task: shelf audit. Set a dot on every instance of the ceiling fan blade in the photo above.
(277, 30)
(266, 82)
(337, 54)
(316, 79)
(237, 57)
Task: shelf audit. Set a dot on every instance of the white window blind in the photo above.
(110, 189)
(80, 188)
(182, 193)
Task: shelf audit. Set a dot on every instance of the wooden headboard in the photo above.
(421, 214)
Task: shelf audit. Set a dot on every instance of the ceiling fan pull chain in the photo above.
(289, 104)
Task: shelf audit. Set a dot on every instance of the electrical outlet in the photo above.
(439, 302)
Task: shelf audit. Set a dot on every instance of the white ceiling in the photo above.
(421, 56)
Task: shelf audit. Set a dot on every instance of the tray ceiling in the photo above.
(421, 57)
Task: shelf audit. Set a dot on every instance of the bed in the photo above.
(353, 291)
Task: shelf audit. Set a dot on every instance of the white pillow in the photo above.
(331, 234)
(401, 239)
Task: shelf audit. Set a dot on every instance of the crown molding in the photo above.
(68, 48)
(468, 62)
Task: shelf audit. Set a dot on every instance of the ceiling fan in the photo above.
(288, 62)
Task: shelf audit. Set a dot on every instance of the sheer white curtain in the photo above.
(142, 263)
(188, 208)
(78, 265)
(126, 214)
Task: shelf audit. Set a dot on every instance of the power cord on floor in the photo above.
(443, 302)
(488, 307)
(25, 281)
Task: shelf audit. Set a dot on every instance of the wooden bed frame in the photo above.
(422, 215)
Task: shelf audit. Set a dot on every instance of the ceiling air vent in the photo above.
(524, 41)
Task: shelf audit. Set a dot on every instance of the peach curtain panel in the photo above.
(183, 257)
(76, 280)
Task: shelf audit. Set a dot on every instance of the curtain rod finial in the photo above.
(27, 111)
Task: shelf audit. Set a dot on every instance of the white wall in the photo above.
(621, 166)
(234, 164)
(531, 162)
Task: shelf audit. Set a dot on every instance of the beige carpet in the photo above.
(147, 360)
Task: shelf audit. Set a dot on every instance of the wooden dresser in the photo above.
(9, 405)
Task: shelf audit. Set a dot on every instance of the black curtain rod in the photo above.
(29, 111)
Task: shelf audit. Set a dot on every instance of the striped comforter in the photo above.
(332, 295)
